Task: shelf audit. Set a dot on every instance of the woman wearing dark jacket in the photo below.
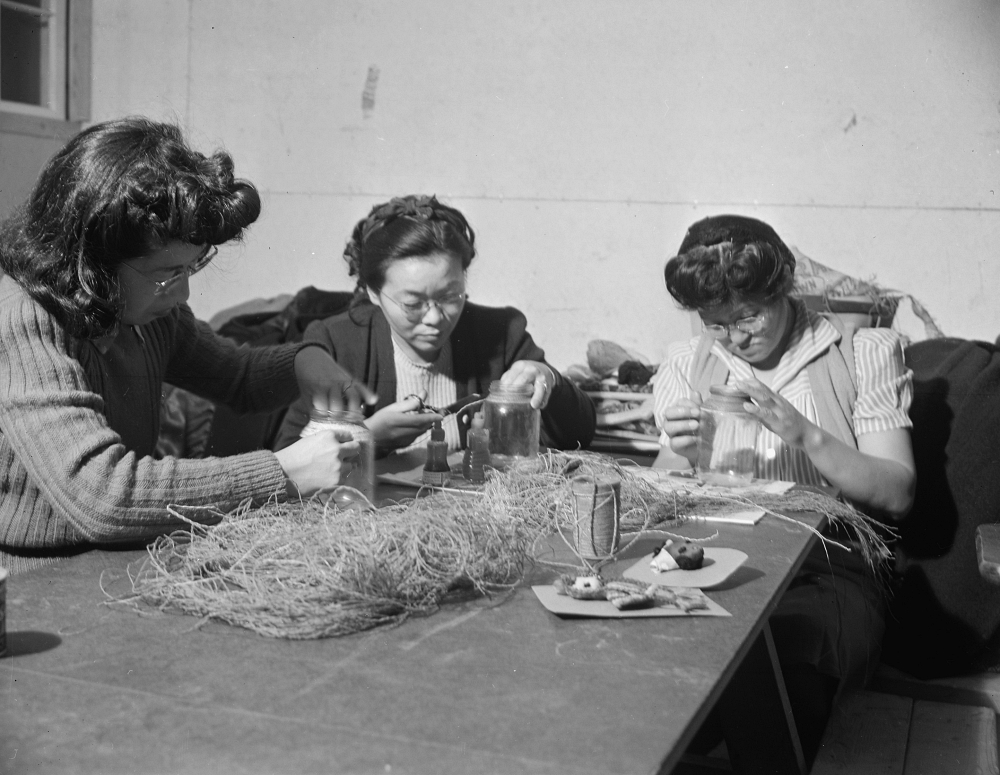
(413, 338)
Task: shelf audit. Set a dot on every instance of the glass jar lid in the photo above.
(510, 393)
(335, 416)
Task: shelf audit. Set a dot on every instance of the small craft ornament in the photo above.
(580, 587)
(662, 561)
(626, 595)
(682, 555)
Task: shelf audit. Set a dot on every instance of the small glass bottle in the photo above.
(514, 426)
(477, 450)
(727, 438)
(437, 472)
(349, 425)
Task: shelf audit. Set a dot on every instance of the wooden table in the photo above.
(479, 687)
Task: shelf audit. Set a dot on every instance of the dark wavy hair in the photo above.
(117, 191)
(729, 259)
(405, 227)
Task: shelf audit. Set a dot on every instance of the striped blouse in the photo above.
(885, 388)
(436, 380)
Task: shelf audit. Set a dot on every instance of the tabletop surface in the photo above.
(483, 686)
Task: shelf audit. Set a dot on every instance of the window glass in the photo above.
(32, 56)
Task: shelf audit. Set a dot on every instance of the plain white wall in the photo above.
(582, 137)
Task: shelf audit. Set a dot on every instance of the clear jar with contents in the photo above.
(514, 426)
(362, 475)
(727, 438)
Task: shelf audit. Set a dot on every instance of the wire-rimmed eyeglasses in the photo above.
(165, 286)
(415, 311)
(751, 325)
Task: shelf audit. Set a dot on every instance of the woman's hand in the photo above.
(681, 423)
(398, 424)
(318, 462)
(327, 383)
(534, 373)
(878, 475)
(777, 414)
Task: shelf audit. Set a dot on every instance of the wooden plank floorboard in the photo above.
(950, 739)
(866, 735)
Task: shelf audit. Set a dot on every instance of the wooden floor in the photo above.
(871, 733)
(877, 733)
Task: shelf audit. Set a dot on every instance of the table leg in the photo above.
(756, 716)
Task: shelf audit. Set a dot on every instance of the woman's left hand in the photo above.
(534, 373)
(327, 384)
(776, 413)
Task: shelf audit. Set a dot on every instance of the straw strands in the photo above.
(308, 570)
(303, 570)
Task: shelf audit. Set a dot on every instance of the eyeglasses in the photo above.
(415, 311)
(752, 325)
(165, 286)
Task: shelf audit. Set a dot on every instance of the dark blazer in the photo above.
(484, 344)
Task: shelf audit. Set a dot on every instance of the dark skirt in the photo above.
(832, 617)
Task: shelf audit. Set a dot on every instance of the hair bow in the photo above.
(421, 207)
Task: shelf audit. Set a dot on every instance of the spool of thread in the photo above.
(596, 511)
(3, 611)
(437, 472)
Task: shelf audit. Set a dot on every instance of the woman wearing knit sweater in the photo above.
(92, 321)
(415, 340)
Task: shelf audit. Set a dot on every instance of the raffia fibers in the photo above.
(302, 570)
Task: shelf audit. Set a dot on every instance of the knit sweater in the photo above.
(78, 424)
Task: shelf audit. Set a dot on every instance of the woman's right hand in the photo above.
(398, 424)
(681, 422)
(317, 462)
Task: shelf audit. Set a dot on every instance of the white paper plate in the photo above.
(719, 565)
(564, 605)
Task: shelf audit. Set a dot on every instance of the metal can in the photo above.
(348, 425)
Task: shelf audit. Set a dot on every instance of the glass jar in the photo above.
(361, 476)
(513, 425)
(727, 438)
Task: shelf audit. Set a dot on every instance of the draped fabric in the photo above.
(945, 617)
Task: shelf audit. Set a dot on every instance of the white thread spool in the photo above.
(596, 512)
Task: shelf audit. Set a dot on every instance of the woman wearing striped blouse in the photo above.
(417, 342)
(833, 406)
(736, 273)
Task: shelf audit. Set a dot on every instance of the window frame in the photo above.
(53, 75)
(72, 34)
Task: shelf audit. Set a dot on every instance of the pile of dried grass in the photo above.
(313, 570)
(309, 570)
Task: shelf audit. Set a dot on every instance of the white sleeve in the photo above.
(670, 383)
(885, 384)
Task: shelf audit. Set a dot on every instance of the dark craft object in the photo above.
(634, 373)
(687, 555)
